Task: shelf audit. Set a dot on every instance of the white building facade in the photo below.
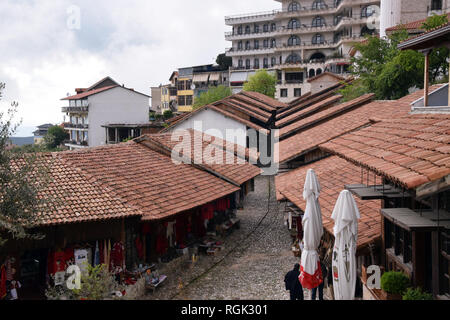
(93, 108)
(300, 40)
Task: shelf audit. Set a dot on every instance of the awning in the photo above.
(238, 77)
(214, 77)
(200, 77)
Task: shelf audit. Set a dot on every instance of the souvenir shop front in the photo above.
(165, 240)
(28, 267)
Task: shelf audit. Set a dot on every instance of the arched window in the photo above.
(266, 43)
(256, 28)
(240, 30)
(240, 45)
(293, 58)
(367, 11)
(318, 22)
(266, 28)
(318, 56)
(312, 73)
(273, 43)
(256, 63)
(293, 24)
(240, 63)
(247, 64)
(318, 4)
(265, 63)
(273, 27)
(247, 29)
(273, 61)
(247, 45)
(436, 4)
(318, 71)
(293, 41)
(256, 45)
(318, 39)
(293, 6)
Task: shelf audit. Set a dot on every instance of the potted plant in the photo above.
(417, 294)
(393, 285)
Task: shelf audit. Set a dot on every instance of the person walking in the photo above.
(320, 287)
(293, 283)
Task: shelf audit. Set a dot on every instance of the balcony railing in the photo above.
(76, 126)
(76, 143)
(75, 109)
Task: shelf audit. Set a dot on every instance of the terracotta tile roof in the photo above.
(147, 179)
(325, 103)
(440, 32)
(310, 138)
(89, 93)
(333, 174)
(414, 25)
(333, 110)
(326, 73)
(273, 103)
(232, 168)
(411, 150)
(74, 196)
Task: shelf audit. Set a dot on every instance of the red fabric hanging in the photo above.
(311, 281)
(146, 229)
(2, 282)
(117, 255)
(139, 247)
(56, 262)
(208, 211)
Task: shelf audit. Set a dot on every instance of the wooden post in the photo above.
(426, 78)
(435, 262)
(449, 86)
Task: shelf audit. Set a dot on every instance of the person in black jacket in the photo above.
(293, 283)
(320, 287)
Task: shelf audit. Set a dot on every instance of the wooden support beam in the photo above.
(426, 82)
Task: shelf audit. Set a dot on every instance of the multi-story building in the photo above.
(41, 132)
(299, 41)
(93, 108)
(191, 82)
(164, 98)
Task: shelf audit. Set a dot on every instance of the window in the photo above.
(319, 4)
(256, 28)
(297, 92)
(181, 100)
(240, 30)
(273, 43)
(337, 3)
(273, 27)
(318, 39)
(72, 103)
(247, 45)
(312, 73)
(247, 29)
(293, 24)
(283, 93)
(318, 71)
(180, 85)
(365, 30)
(247, 64)
(293, 41)
(294, 77)
(318, 22)
(240, 45)
(188, 100)
(273, 61)
(318, 56)
(265, 63)
(367, 11)
(240, 63)
(436, 4)
(256, 63)
(398, 239)
(266, 28)
(293, 6)
(293, 58)
(256, 43)
(266, 43)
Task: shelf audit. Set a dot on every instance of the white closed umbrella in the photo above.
(345, 216)
(310, 272)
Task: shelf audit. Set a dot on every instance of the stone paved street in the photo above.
(250, 267)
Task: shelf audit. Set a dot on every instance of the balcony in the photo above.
(81, 126)
(232, 52)
(75, 109)
(230, 36)
(76, 144)
(251, 17)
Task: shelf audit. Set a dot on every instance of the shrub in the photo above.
(168, 114)
(394, 282)
(417, 294)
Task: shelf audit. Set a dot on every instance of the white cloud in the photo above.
(138, 43)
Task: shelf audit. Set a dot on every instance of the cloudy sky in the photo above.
(44, 55)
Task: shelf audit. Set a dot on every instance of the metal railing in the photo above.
(75, 109)
(76, 126)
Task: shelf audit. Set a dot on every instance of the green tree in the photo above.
(212, 95)
(22, 176)
(438, 57)
(224, 62)
(168, 114)
(262, 82)
(383, 69)
(55, 136)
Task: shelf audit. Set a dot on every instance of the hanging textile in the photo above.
(161, 244)
(170, 232)
(139, 247)
(117, 256)
(81, 259)
(207, 211)
(96, 255)
(2, 282)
